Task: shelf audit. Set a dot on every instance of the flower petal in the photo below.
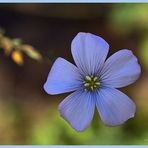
(120, 70)
(78, 109)
(114, 106)
(63, 77)
(89, 52)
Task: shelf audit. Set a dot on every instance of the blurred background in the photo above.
(32, 36)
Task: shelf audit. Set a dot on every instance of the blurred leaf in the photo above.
(17, 57)
(31, 52)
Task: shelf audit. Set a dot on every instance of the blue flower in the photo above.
(94, 82)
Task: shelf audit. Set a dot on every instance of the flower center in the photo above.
(91, 82)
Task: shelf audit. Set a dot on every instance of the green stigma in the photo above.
(91, 82)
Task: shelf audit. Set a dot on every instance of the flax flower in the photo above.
(93, 82)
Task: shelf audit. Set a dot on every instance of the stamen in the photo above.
(95, 86)
(86, 84)
(91, 83)
(95, 78)
(88, 78)
(97, 83)
(92, 88)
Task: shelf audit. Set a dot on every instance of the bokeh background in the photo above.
(27, 114)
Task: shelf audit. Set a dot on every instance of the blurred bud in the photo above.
(6, 44)
(17, 57)
(31, 52)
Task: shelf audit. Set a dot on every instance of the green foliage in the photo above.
(125, 18)
(143, 52)
(55, 130)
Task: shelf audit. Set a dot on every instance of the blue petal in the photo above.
(63, 77)
(114, 107)
(89, 52)
(120, 70)
(78, 109)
